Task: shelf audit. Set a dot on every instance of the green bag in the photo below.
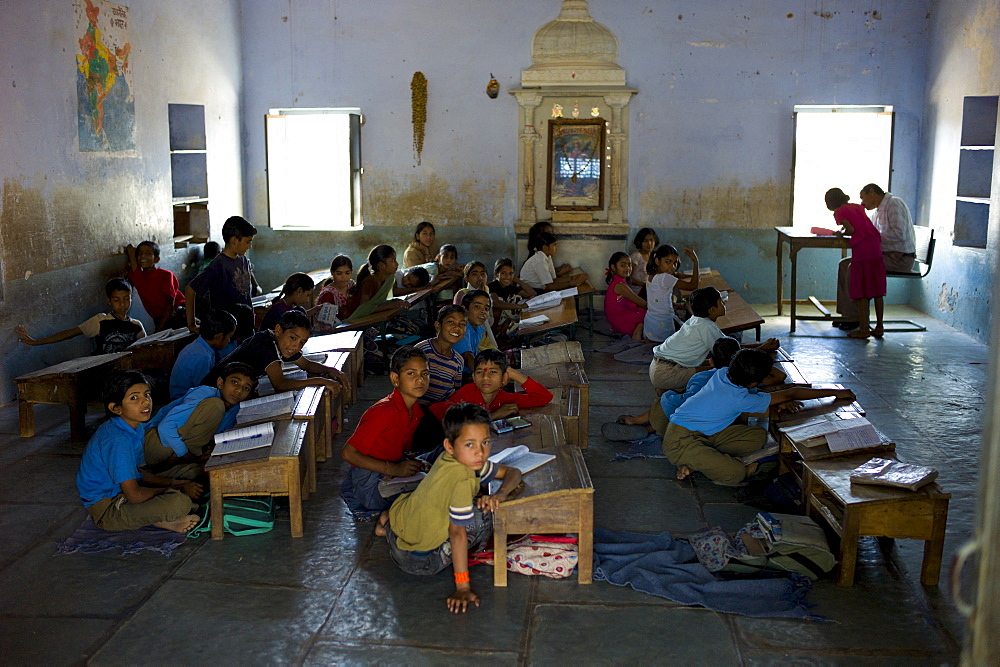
(240, 516)
(802, 547)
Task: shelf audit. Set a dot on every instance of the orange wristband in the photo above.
(461, 577)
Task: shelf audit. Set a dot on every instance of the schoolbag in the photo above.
(240, 516)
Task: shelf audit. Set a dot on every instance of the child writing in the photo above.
(477, 336)
(228, 280)
(296, 293)
(384, 435)
(446, 517)
(117, 491)
(867, 269)
(702, 437)
(623, 308)
(644, 242)
(112, 332)
(178, 439)
(265, 351)
(539, 271)
(662, 280)
(158, 288)
(489, 376)
(683, 354)
(202, 354)
(421, 248)
(376, 281)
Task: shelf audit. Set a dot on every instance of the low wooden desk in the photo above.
(343, 341)
(739, 316)
(798, 238)
(160, 355)
(853, 510)
(70, 382)
(342, 362)
(567, 405)
(563, 314)
(557, 497)
(278, 470)
(566, 374)
(587, 291)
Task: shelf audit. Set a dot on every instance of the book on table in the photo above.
(266, 407)
(543, 300)
(242, 439)
(838, 433)
(889, 472)
(519, 457)
(167, 335)
(533, 321)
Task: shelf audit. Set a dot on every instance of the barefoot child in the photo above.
(384, 435)
(623, 309)
(202, 354)
(489, 376)
(702, 437)
(661, 282)
(115, 488)
(446, 517)
(867, 270)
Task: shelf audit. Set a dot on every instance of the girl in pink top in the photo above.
(624, 310)
(867, 270)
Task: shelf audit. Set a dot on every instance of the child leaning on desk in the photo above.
(490, 374)
(384, 435)
(702, 437)
(202, 354)
(446, 516)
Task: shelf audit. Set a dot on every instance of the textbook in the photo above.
(544, 300)
(242, 439)
(837, 433)
(160, 336)
(533, 321)
(889, 472)
(393, 486)
(266, 407)
(265, 388)
(522, 458)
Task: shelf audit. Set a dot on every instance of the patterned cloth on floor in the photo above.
(89, 539)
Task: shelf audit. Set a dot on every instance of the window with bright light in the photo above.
(314, 168)
(844, 147)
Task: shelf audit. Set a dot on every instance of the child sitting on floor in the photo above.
(623, 308)
(337, 290)
(376, 281)
(295, 293)
(178, 438)
(114, 486)
(112, 332)
(662, 280)
(209, 252)
(420, 251)
(202, 354)
(682, 355)
(508, 293)
(701, 435)
(490, 375)
(448, 269)
(446, 517)
(443, 363)
(229, 279)
(645, 242)
(384, 435)
(477, 334)
(539, 271)
(158, 289)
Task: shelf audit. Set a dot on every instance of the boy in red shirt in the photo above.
(383, 435)
(158, 288)
(489, 375)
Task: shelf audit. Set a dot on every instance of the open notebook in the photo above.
(242, 439)
(266, 407)
(519, 457)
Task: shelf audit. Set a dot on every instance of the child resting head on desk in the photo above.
(384, 435)
(702, 437)
(114, 485)
(265, 351)
(490, 373)
(446, 516)
(113, 331)
(178, 439)
(200, 355)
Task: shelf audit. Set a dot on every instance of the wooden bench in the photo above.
(557, 497)
(567, 374)
(853, 510)
(69, 382)
(567, 404)
(278, 470)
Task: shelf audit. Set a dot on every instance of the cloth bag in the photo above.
(545, 555)
(240, 516)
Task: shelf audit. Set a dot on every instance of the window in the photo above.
(314, 168)
(844, 147)
(975, 171)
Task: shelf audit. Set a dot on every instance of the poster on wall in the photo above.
(105, 102)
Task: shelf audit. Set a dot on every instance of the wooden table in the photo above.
(278, 470)
(71, 382)
(567, 404)
(853, 510)
(344, 341)
(557, 497)
(798, 238)
(562, 314)
(159, 355)
(566, 374)
(587, 291)
(739, 316)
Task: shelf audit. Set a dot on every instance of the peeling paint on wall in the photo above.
(474, 202)
(980, 36)
(725, 205)
(947, 299)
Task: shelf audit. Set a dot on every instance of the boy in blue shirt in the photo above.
(200, 355)
(701, 435)
(117, 492)
(178, 439)
(477, 306)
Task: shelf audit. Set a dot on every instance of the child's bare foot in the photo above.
(878, 332)
(631, 421)
(181, 525)
(383, 521)
(683, 472)
(860, 333)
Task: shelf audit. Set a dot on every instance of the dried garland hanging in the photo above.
(418, 101)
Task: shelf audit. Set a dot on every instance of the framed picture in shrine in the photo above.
(576, 164)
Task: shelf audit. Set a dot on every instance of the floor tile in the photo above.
(664, 505)
(29, 641)
(42, 479)
(341, 653)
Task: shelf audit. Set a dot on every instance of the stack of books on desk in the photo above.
(266, 407)
(160, 336)
(834, 431)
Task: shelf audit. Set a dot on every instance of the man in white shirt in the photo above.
(892, 220)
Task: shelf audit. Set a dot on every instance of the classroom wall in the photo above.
(711, 126)
(964, 61)
(65, 214)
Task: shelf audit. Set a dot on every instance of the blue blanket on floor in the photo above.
(665, 567)
(89, 539)
(650, 447)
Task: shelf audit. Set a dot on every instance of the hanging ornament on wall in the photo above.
(418, 102)
(492, 88)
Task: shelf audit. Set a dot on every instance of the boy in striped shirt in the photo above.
(443, 362)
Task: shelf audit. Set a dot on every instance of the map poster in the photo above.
(105, 101)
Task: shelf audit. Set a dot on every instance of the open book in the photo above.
(160, 336)
(544, 300)
(266, 407)
(242, 439)
(521, 457)
(265, 388)
(529, 322)
(839, 434)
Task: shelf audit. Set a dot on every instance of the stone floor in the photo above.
(333, 596)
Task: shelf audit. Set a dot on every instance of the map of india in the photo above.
(105, 103)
